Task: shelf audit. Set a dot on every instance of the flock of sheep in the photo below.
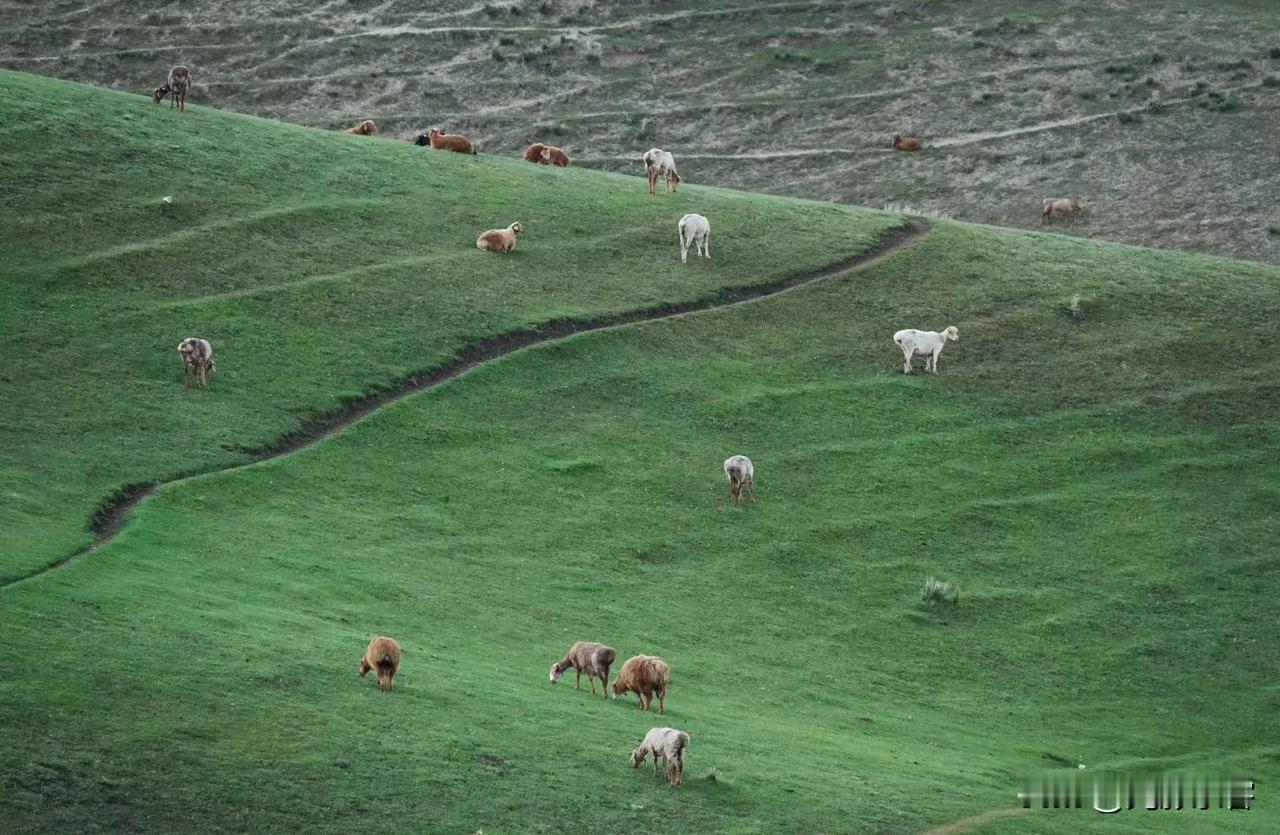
(645, 675)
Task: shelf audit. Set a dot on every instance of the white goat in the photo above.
(923, 344)
(667, 744)
(660, 163)
(694, 229)
(740, 473)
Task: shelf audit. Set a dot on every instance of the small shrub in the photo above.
(935, 591)
(1274, 53)
(1127, 118)
(1271, 81)
(1156, 107)
(492, 10)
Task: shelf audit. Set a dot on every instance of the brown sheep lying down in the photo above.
(383, 657)
(534, 153)
(450, 142)
(591, 659)
(646, 676)
(906, 143)
(365, 128)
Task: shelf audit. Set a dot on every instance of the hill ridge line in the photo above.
(110, 516)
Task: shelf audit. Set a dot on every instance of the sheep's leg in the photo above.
(592, 681)
(706, 247)
(662, 702)
(604, 691)
(579, 684)
(906, 361)
(655, 765)
(933, 363)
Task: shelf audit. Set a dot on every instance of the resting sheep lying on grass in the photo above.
(739, 471)
(383, 657)
(197, 360)
(667, 744)
(923, 344)
(365, 128)
(646, 676)
(591, 659)
(694, 229)
(456, 142)
(500, 240)
(906, 143)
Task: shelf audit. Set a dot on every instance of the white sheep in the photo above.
(696, 230)
(667, 744)
(923, 344)
(660, 163)
(740, 473)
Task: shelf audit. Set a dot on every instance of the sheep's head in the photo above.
(617, 690)
(434, 132)
(897, 139)
(951, 334)
(159, 93)
(546, 154)
(516, 228)
(637, 757)
(556, 672)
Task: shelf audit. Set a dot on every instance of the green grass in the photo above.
(1098, 483)
(319, 266)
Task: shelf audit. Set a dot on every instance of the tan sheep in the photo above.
(365, 128)
(646, 676)
(591, 659)
(197, 360)
(382, 656)
(667, 744)
(1059, 206)
(450, 142)
(500, 240)
(906, 143)
(177, 87)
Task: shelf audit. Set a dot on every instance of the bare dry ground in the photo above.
(1161, 116)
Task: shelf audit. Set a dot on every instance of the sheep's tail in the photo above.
(682, 742)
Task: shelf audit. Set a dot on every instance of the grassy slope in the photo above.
(319, 265)
(609, 79)
(1107, 510)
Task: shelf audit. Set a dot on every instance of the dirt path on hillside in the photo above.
(111, 515)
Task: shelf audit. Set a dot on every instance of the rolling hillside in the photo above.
(1094, 469)
(1157, 114)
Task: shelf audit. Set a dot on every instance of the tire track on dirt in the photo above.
(965, 824)
(111, 514)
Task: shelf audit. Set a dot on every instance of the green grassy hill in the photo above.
(1094, 468)
(1158, 114)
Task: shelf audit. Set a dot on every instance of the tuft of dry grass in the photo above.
(936, 591)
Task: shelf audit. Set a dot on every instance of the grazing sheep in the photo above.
(694, 229)
(500, 240)
(456, 142)
(536, 153)
(383, 657)
(590, 658)
(646, 676)
(1059, 206)
(660, 163)
(365, 128)
(923, 344)
(176, 88)
(555, 156)
(908, 143)
(667, 744)
(197, 360)
(740, 473)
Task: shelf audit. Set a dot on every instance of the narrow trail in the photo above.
(111, 515)
(965, 824)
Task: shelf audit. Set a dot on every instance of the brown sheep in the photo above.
(197, 360)
(646, 676)
(499, 240)
(442, 141)
(365, 128)
(382, 656)
(908, 143)
(176, 88)
(536, 153)
(590, 658)
(1059, 206)
(555, 156)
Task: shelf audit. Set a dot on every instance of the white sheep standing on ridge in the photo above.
(740, 473)
(694, 229)
(923, 344)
